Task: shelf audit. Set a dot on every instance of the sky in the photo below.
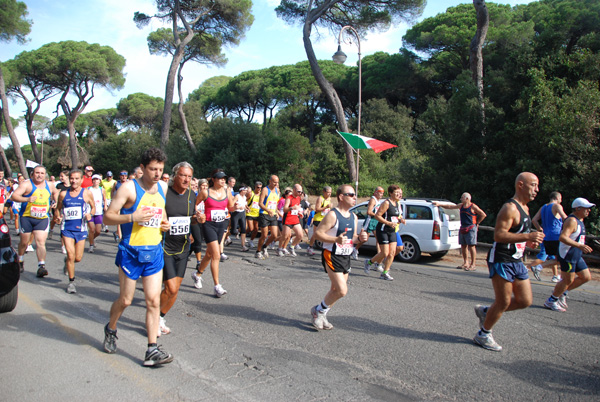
(270, 41)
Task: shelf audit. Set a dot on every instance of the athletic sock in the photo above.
(152, 346)
(323, 308)
(20, 258)
(41, 263)
(483, 331)
(553, 298)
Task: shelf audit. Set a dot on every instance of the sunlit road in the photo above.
(409, 339)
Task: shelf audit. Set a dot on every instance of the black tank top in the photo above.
(511, 252)
(392, 211)
(176, 240)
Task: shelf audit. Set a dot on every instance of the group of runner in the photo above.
(163, 219)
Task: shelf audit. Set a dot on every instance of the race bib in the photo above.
(254, 205)
(344, 249)
(98, 204)
(582, 239)
(218, 215)
(39, 212)
(179, 225)
(326, 211)
(200, 207)
(520, 250)
(73, 213)
(154, 222)
(394, 219)
(272, 205)
(294, 212)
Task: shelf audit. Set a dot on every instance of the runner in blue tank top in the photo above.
(72, 212)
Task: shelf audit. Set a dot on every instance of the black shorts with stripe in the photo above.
(336, 263)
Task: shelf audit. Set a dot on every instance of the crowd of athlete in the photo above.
(162, 219)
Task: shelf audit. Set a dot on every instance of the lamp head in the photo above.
(339, 57)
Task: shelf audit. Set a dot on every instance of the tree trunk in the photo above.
(7, 169)
(186, 130)
(73, 143)
(9, 127)
(330, 93)
(476, 54)
(34, 146)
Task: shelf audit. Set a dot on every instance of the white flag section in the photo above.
(31, 164)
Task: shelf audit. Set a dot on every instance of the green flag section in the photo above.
(362, 142)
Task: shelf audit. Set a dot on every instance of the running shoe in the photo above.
(298, 247)
(280, 253)
(228, 241)
(310, 251)
(259, 255)
(293, 253)
(219, 291)
(21, 267)
(92, 249)
(71, 288)
(29, 248)
(224, 257)
(379, 267)
(285, 252)
(386, 276)
(355, 254)
(556, 279)
(197, 280)
(162, 326)
(319, 320)
(480, 313)
(156, 356)
(65, 270)
(367, 267)
(536, 269)
(116, 237)
(562, 301)
(64, 250)
(250, 244)
(265, 253)
(42, 271)
(487, 341)
(50, 233)
(553, 305)
(110, 340)
(245, 249)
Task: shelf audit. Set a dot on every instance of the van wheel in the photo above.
(8, 302)
(411, 252)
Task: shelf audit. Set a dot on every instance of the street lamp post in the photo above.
(340, 57)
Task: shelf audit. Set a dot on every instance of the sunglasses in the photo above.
(349, 194)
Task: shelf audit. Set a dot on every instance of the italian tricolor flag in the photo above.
(361, 142)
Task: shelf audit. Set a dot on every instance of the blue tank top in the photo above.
(552, 225)
(73, 210)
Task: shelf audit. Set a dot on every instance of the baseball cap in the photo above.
(582, 202)
(96, 176)
(89, 168)
(109, 174)
(219, 175)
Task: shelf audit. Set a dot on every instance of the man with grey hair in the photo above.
(180, 207)
(470, 219)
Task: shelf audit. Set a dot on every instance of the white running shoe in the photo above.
(386, 277)
(245, 249)
(280, 253)
(29, 248)
(92, 249)
(259, 255)
(71, 288)
(265, 253)
(219, 291)
(379, 267)
(228, 241)
(293, 253)
(64, 250)
(480, 313)
(162, 327)
(285, 252)
(197, 280)
(310, 251)
(250, 244)
(355, 254)
(553, 305)
(562, 301)
(224, 257)
(556, 279)
(367, 267)
(298, 247)
(486, 341)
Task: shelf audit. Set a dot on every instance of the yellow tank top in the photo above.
(320, 215)
(40, 207)
(108, 187)
(145, 234)
(253, 204)
(271, 201)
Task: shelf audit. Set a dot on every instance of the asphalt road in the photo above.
(405, 340)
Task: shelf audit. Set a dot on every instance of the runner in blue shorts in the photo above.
(512, 289)
(73, 205)
(139, 207)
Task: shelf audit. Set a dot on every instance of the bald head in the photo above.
(526, 186)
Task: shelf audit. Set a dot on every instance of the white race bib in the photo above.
(272, 205)
(582, 239)
(325, 211)
(154, 222)
(98, 205)
(218, 215)
(38, 212)
(520, 250)
(179, 225)
(394, 219)
(344, 249)
(73, 213)
(254, 205)
(294, 212)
